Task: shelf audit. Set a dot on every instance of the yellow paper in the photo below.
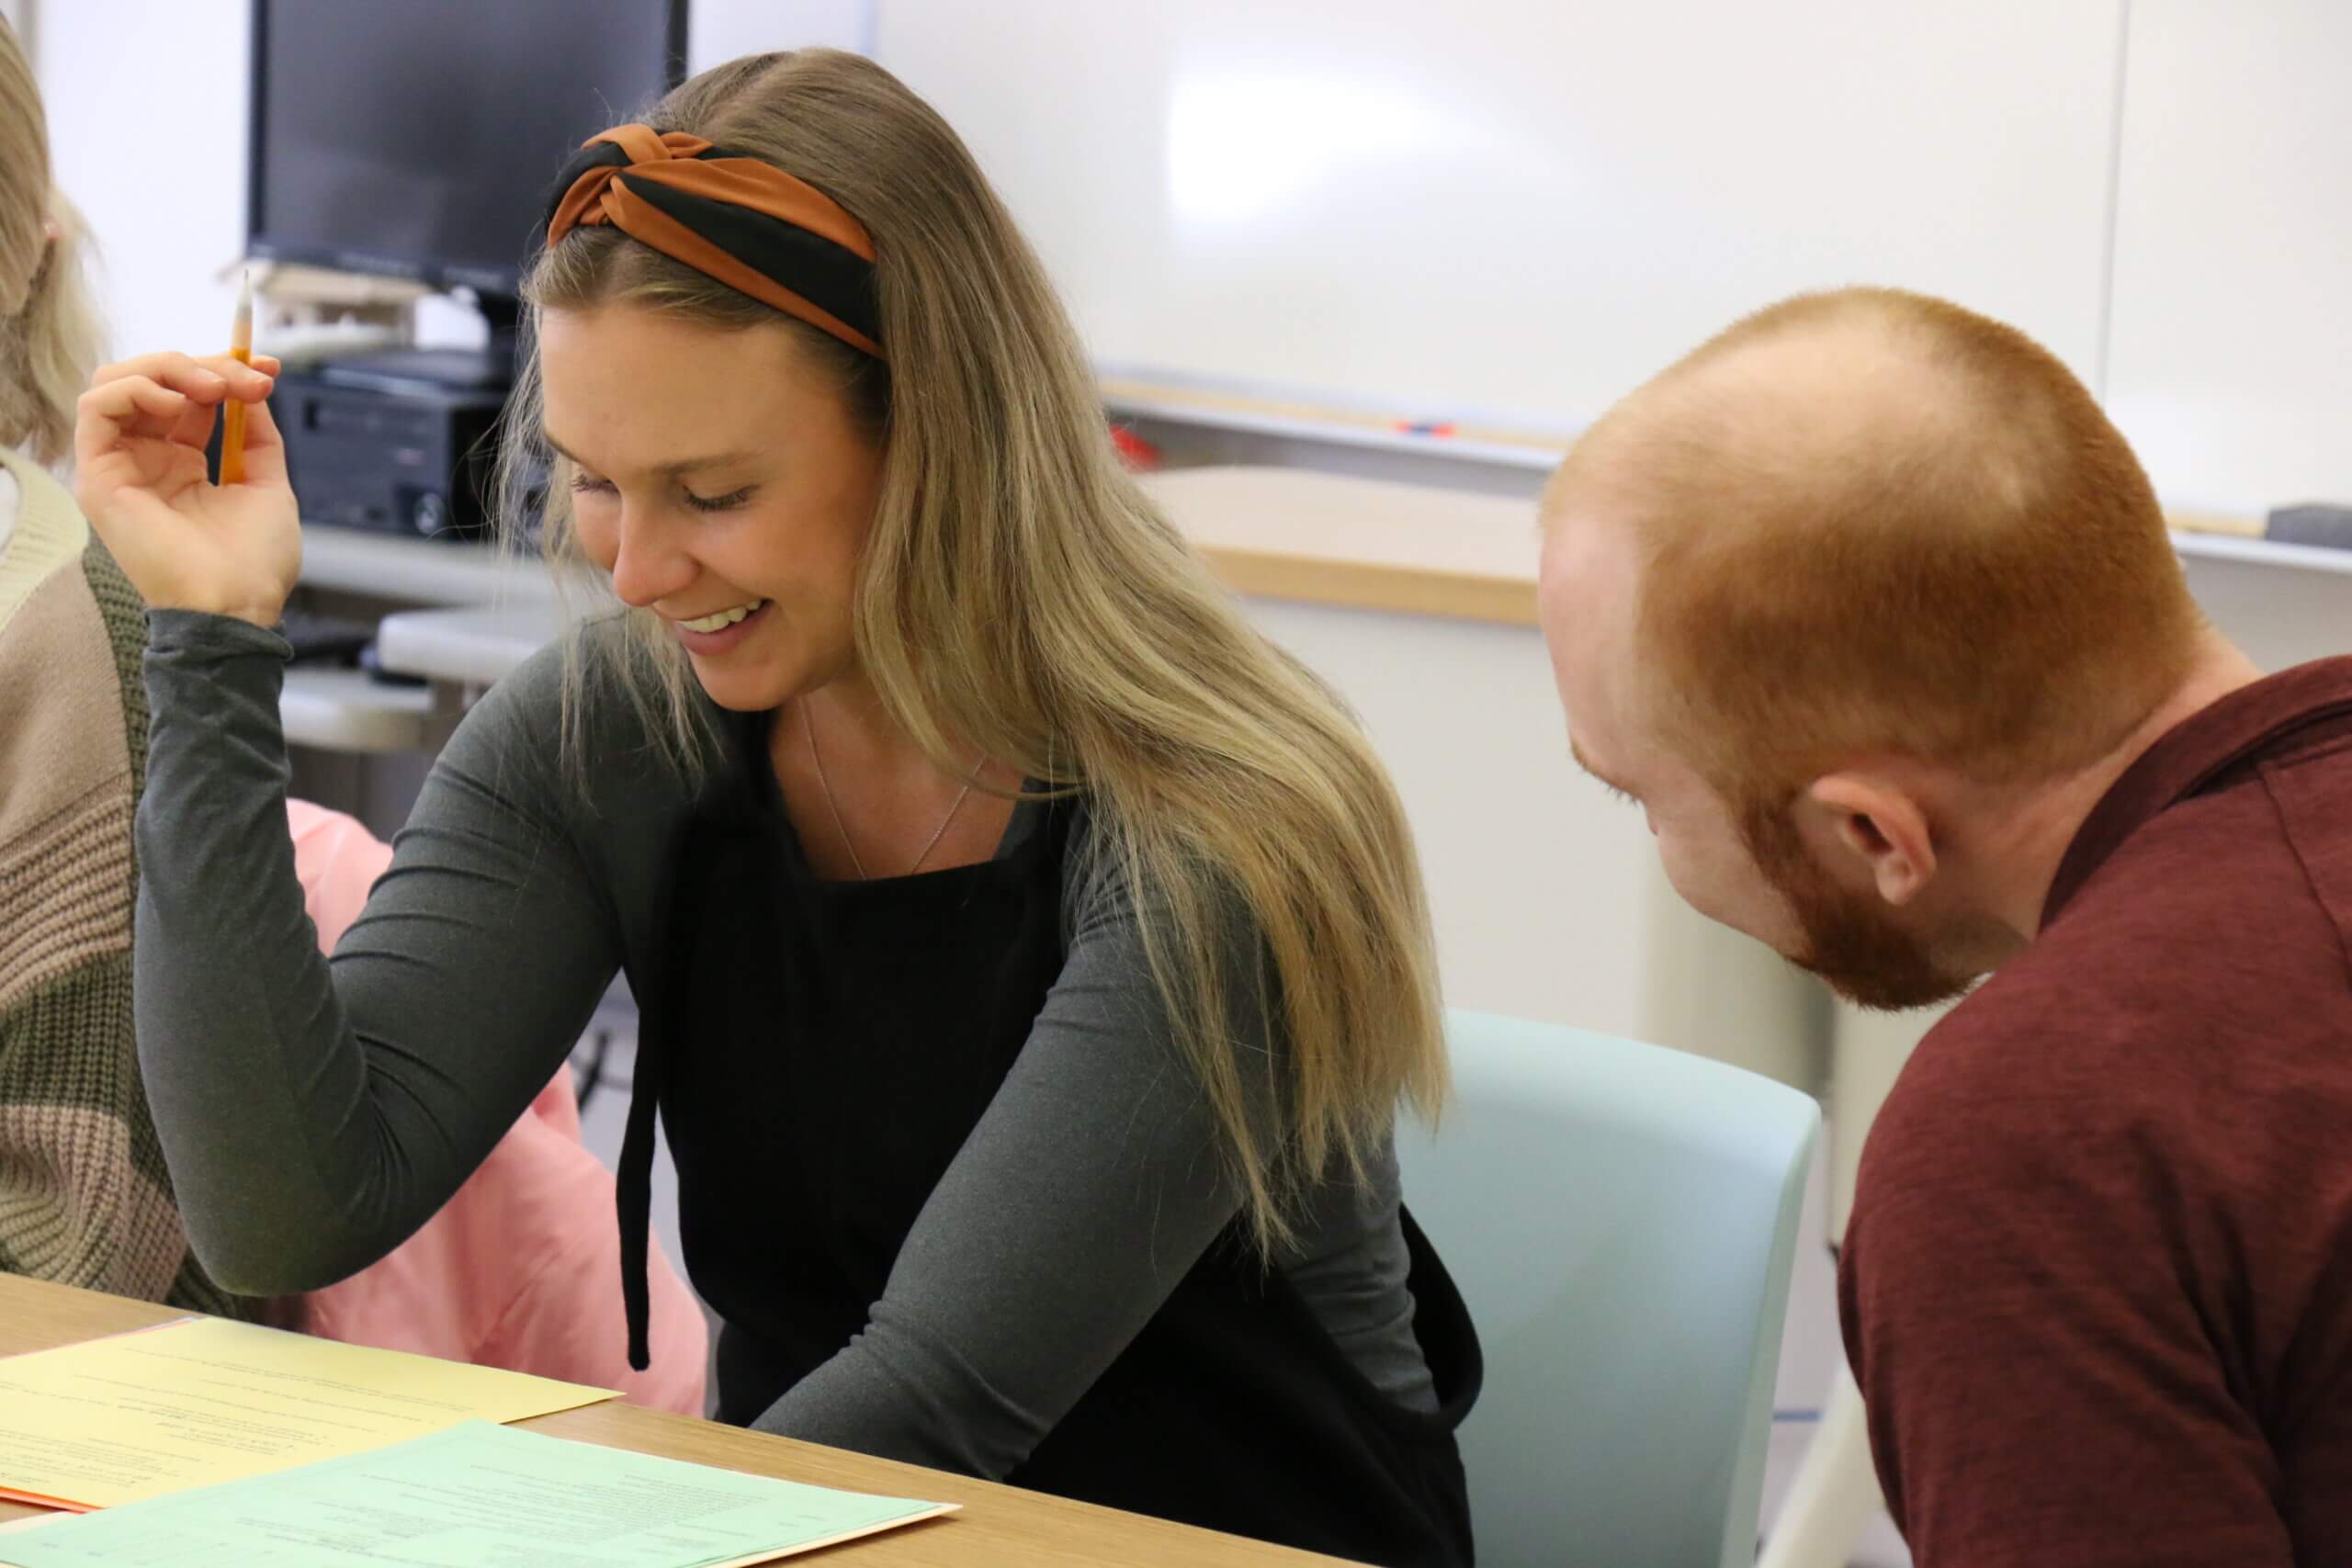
(205, 1400)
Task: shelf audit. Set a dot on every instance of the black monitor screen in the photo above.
(419, 138)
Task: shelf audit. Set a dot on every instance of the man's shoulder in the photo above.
(2059, 1059)
(2200, 926)
(2170, 992)
(2205, 887)
(1981, 1106)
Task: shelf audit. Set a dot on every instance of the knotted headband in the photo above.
(745, 222)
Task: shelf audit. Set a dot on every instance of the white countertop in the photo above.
(426, 571)
(2262, 552)
(474, 647)
(344, 710)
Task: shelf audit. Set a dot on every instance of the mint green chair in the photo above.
(1622, 1220)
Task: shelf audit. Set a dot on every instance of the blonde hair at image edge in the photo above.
(48, 333)
(1020, 593)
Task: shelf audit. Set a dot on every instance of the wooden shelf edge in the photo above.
(1363, 585)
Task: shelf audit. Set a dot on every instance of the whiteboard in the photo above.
(2231, 361)
(1523, 207)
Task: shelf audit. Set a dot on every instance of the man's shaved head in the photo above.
(1870, 522)
(1838, 598)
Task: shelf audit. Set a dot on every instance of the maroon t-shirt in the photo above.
(2098, 1282)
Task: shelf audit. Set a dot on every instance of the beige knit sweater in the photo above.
(84, 1195)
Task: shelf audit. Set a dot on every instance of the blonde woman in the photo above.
(1033, 959)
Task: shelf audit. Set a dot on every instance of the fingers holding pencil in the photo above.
(231, 548)
(167, 398)
(185, 542)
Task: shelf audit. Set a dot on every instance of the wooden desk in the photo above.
(999, 1524)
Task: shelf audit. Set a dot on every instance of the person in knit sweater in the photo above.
(83, 1194)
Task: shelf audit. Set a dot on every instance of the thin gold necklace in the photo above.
(808, 727)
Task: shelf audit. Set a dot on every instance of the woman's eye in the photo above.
(585, 484)
(728, 503)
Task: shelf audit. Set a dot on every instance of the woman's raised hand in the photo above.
(185, 542)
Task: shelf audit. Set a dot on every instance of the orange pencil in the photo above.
(232, 419)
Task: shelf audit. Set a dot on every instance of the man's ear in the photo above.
(1874, 828)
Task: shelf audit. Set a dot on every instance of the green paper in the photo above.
(477, 1495)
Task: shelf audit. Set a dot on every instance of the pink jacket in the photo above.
(521, 1269)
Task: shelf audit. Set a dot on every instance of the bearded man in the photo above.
(1874, 614)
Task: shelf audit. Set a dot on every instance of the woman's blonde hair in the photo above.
(1019, 592)
(48, 333)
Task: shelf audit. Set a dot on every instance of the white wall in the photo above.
(2231, 367)
(146, 104)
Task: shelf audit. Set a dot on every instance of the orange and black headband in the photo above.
(745, 222)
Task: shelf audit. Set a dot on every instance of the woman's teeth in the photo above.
(724, 618)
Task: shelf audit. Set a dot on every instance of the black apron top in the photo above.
(820, 1051)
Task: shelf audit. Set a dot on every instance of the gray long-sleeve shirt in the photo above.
(315, 1114)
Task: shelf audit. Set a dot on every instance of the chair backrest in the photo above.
(1622, 1220)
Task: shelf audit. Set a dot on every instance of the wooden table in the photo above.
(997, 1524)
